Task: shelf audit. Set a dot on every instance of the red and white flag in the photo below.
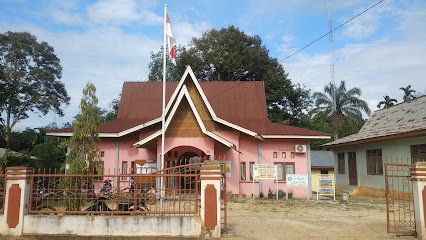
(171, 41)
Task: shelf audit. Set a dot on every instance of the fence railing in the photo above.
(2, 188)
(115, 194)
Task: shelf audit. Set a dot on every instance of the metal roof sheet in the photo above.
(322, 159)
(240, 103)
(402, 118)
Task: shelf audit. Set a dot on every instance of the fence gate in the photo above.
(223, 202)
(399, 199)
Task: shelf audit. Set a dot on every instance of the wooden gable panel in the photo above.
(184, 123)
(202, 109)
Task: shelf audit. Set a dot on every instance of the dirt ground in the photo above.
(359, 218)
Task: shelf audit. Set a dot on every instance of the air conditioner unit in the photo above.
(300, 148)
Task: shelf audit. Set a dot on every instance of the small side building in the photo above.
(322, 162)
(395, 135)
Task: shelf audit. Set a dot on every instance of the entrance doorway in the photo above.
(353, 180)
(185, 159)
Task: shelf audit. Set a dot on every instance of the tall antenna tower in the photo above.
(331, 56)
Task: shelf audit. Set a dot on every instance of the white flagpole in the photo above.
(163, 107)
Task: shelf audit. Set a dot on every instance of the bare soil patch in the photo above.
(359, 218)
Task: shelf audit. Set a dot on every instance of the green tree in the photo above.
(349, 106)
(84, 154)
(408, 93)
(29, 73)
(49, 156)
(229, 54)
(111, 115)
(387, 102)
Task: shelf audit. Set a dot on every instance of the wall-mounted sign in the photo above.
(265, 172)
(226, 168)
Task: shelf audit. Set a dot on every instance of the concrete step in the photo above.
(351, 190)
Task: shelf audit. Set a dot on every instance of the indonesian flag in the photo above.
(171, 41)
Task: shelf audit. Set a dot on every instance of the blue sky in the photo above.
(109, 42)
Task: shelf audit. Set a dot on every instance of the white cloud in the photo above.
(184, 32)
(118, 11)
(379, 68)
(66, 18)
(288, 38)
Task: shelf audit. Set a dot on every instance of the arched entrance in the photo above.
(186, 159)
(176, 160)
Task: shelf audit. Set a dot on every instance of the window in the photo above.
(102, 154)
(374, 162)
(341, 163)
(283, 155)
(324, 171)
(284, 169)
(292, 154)
(124, 169)
(275, 154)
(251, 170)
(175, 154)
(169, 154)
(243, 171)
(418, 153)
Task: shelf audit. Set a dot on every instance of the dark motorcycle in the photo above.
(88, 192)
(123, 205)
(40, 202)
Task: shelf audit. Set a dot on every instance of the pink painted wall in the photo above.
(248, 152)
(205, 144)
(224, 153)
(107, 145)
(269, 146)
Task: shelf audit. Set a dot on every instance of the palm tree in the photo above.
(408, 93)
(348, 105)
(388, 102)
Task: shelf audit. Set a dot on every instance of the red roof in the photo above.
(240, 103)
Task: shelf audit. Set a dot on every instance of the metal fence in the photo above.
(2, 192)
(116, 194)
(399, 197)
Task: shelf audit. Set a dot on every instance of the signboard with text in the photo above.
(226, 168)
(265, 172)
(297, 180)
(326, 185)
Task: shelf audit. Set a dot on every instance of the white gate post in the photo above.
(418, 176)
(17, 198)
(210, 175)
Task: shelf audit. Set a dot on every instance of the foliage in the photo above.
(49, 156)
(29, 73)
(109, 116)
(229, 54)
(388, 102)
(85, 136)
(408, 93)
(20, 161)
(349, 106)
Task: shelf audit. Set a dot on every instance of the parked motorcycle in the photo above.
(127, 205)
(88, 192)
(40, 202)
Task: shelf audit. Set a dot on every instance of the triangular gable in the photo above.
(206, 102)
(184, 93)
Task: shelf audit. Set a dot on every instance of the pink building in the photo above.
(222, 120)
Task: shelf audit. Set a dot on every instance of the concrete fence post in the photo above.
(18, 189)
(210, 175)
(418, 177)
